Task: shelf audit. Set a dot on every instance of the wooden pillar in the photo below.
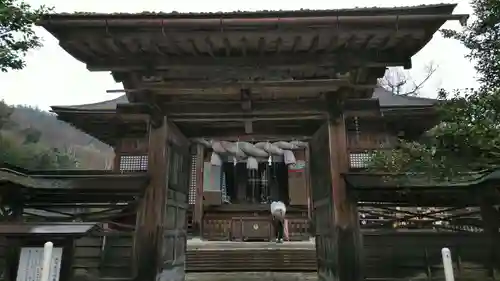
(117, 158)
(346, 228)
(491, 223)
(338, 237)
(198, 205)
(148, 246)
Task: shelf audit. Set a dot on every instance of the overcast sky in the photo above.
(52, 77)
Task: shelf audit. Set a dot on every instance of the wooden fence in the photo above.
(409, 255)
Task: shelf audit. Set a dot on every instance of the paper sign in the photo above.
(31, 262)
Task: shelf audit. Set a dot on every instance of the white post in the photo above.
(447, 264)
(47, 258)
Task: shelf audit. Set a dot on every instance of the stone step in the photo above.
(297, 260)
(252, 276)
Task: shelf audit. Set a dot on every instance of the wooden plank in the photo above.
(322, 202)
(198, 208)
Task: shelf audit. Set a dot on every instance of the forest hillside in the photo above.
(35, 139)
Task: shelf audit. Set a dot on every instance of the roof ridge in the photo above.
(249, 12)
(418, 98)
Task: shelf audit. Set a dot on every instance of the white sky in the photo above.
(52, 77)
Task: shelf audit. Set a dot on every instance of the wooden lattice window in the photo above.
(133, 163)
(192, 184)
(359, 160)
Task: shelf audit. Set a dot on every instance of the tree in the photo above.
(401, 82)
(33, 155)
(16, 32)
(5, 113)
(31, 135)
(468, 137)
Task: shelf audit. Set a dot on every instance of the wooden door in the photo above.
(322, 204)
(174, 227)
(338, 240)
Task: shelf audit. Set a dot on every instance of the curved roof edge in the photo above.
(442, 8)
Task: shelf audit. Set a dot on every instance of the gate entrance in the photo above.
(249, 76)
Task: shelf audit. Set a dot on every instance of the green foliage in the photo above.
(16, 32)
(32, 156)
(31, 135)
(481, 37)
(468, 137)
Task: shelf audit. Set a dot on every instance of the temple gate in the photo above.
(249, 76)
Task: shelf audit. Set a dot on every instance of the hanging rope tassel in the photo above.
(252, 163)
(289, 157)
(215, 159)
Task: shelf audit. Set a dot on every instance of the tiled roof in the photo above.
(104, 105)
(388, 99)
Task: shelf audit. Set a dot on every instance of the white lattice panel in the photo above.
(192, 184)
(359, 160)
(133, 163)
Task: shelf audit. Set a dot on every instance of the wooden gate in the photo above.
(161, 231)
(174, 227)
(322, 203)
(338, 240)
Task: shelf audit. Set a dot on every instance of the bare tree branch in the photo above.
(400, 82)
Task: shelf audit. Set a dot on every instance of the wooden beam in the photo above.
(239, 132)
(257, 138)
(262, 109)
(151, 213)
(228, 107)
(193, 87)
(247, 119)
(259, 108)
(342, 59)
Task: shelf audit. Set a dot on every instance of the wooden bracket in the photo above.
(156, 117)
(335, 104)
(246, 106)
(154, 111)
